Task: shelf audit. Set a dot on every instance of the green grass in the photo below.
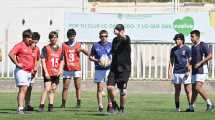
(139, 107)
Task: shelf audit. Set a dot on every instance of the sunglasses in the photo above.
(103, 36)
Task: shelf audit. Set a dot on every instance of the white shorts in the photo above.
(101, 76)
(178, 79)
(199, 78)
(22, 77)
(70, 74)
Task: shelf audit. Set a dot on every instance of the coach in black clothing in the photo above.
(120, 68)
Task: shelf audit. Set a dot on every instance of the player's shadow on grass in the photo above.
(7, 111)
(74, 109)
(93, 114)
(59, 107)
(157, 110)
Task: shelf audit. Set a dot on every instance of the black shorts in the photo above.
(53, 79)
(119, 78)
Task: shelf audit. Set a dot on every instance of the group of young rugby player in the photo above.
(190, 67)
(112, 66)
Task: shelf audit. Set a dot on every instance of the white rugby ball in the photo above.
(105, 61)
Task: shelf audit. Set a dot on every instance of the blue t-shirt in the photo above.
(180, 57)
(98, 50)
(199, 51)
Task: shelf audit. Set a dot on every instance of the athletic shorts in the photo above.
(53, 79)
(23, 78)
(179, 79)
(70, 74)
(119, 78)
(199, 78)
(101, 76)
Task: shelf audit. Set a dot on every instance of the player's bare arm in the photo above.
(83, 50)
(92, 58)
(209, 57)
(61, 67)
(170, 71)
(14, 60)
(45, 68)
(171, 62)
(189, 66)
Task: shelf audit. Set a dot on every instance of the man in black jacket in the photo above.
(120, 68)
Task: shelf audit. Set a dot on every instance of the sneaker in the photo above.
(122, 109)
(177, 110)
(63, 106)
(210, 108)
(78, 105)
(20, 111)
(41, 108)
(100, 109)
(189, 110)
(29, 108)
(50, 108)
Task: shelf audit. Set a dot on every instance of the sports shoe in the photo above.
(210, 108)
(62, 106)
(177, 110)
(41, 108)
(189, 110)
(29, 108)
(78, 105)
(100, 109)
(122, 109)
(20, 111)
(51, 108)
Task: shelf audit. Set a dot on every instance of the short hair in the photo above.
(196, 32)
(35, 36)
(52, 33)
(180, 36)
(103, 32)
(119, 27)
(71, 32)
(27, 34)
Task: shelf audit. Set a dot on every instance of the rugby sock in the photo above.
(209, 102)
(51, 105)
(41, 105)
(177, 104)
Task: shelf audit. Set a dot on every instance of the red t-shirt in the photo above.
(24, 56)
(72, 57)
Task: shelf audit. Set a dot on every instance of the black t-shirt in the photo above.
(121, 53)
